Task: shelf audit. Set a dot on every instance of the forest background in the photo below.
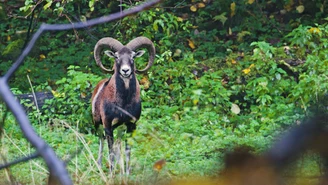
(227, 73)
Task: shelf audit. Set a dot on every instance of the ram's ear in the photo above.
(111, 54)
(139, 53)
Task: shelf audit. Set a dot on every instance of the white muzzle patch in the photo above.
(125, 71)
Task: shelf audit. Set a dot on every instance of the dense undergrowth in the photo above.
(216, 84)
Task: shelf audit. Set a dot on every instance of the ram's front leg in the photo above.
(100, 134)
(130, 128)
(110, 141)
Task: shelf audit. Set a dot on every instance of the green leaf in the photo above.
(222, 18)
(46, 6)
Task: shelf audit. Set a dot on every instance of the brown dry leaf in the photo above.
(83, 94)
(158, 165)
(193, 8)
(145, 82)
(191, 44)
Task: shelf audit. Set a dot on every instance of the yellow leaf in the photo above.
(252, 65)
(145, 83)
(250, 1)
(191, 44)
(233, 61)
(300, 9)
(233, 9)
(57, 94)
(246, 71)
(200, 5)
(195, 101)
(42, 56)
(230, 31)
(159, 165)
(8, 38)
(179, 19)
(193, 8)
(314, 30)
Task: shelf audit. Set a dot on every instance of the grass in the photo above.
(191, 148)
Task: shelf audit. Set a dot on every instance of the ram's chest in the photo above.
(122, 114)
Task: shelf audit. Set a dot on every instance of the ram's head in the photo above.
(124, 55)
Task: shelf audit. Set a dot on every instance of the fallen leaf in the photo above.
(300, 9)
(42, 56)
(191, 44)
(201, 5)
(179, 19)
(158, 165)
(193, 8)
(246, 71)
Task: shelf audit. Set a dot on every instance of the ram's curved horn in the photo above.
(140, 42)
(110, 43)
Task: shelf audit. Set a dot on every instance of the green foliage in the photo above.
(224, 76)
(72, 99)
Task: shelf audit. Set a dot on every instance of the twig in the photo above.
(126, 112)
(34, 98)
(24, 159)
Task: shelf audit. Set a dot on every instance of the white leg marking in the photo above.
(95, 98)
(100, 151)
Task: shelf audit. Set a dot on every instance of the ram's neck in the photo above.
(126, 88)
